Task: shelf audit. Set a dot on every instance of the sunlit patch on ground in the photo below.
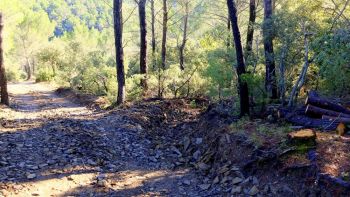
(334, 155)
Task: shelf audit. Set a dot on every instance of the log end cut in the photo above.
(341, 129)
(305, 136)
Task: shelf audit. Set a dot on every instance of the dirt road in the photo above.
(50, 146)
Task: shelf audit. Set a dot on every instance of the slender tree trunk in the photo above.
(29, 68)
(242, 86)
(302, 76)
(228, 42)
(165, 31)
(184, 38)
(3, 80)
(282, 75)
(118, 34)
(153, 22)
(250, 33)
(143, 43)
(270, 80)
(273, 5)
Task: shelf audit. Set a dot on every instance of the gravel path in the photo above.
(50, 146)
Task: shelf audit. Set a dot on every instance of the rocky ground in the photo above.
(51, 146)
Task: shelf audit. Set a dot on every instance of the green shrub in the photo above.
(44, 75)
(13, 75)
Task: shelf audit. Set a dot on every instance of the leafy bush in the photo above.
(44, 75)
(13, 75)
(333, 59)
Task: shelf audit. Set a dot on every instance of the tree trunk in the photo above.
(228, 42)
(28, 69)
(3, 80)
(143, 43)
(250, 33)
(153, 22)
(270, 80)
(118, 34)
(184, 38)
(242, 86)
(303, 73)
(165, 31)
(282, 81)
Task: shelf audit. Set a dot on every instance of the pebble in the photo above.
(236, 180)
(187, 182)
(196, 155)
(204, 186)
(199, 141)
(236, 190)
(31, 176)
(254, 191)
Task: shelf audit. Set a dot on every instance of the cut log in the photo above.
(339, 119)
(312, 99)
(286, 112)
(307, 122)
(305, 136)
(341, 129)
(318, 112)
(312, 93)
(343, 126)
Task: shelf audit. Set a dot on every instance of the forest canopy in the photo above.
(288, 49)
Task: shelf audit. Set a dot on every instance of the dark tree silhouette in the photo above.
(153, 29)
(118, 35)
(250, 33)
(270, 80)
(242, 86)
(143, 42)
(165, 31)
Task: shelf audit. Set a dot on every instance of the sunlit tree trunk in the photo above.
(301, 80)
(143, 43)
(162, 67)
(270, 80)
(3, 81)
(118, 35)
(242, 86)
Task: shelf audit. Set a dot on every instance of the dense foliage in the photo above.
(71, 42)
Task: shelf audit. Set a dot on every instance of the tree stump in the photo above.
(305, 137)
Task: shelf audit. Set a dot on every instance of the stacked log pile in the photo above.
(319, 113)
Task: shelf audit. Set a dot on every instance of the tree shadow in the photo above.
(46, 100)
